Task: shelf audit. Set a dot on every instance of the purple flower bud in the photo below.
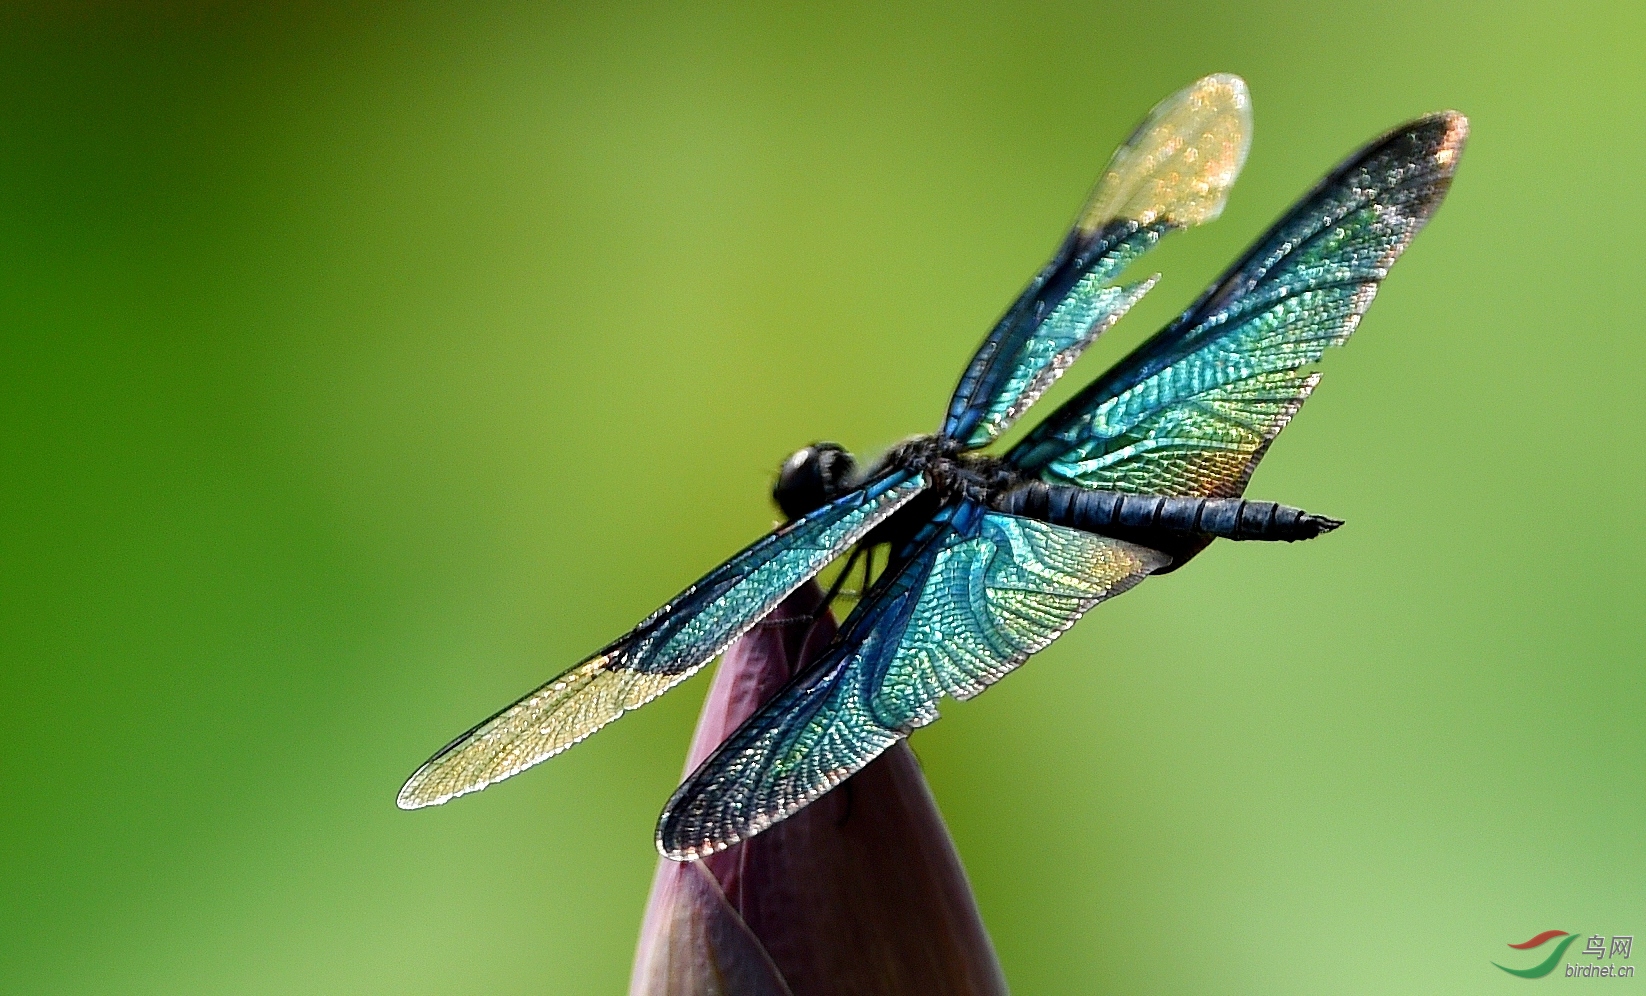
(859, 893)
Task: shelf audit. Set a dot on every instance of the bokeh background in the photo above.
(361, 366)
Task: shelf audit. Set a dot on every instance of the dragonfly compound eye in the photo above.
(811, 478)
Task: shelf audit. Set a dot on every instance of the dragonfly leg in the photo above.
(810, 619)
(839, 579)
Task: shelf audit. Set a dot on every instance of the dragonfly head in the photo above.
(812, 477)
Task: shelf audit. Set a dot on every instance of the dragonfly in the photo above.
(990, 557)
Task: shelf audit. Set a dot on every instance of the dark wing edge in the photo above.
(1174, 171)
(1193, 409)
(986, 592)
(670, 646)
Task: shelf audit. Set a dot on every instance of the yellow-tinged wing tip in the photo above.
(559, 714)
(1180, 163)
(419, 793)
(412, 795)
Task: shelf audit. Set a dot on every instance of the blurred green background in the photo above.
(364, 365)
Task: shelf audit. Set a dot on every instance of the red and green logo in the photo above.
(1548, 964)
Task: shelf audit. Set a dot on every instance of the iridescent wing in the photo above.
(971, 603)
(1193, 409)
(1173, 172)
(669, 647)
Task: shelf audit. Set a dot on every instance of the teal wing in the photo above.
(667, 648)
(1174, 171)
(972, 603)
(1193, 410)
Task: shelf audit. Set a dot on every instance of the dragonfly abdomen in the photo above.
(1171, 517)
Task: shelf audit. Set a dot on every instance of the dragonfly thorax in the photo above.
(951, 471)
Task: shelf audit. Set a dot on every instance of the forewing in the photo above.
(669, 647)
(1174, 171)
(986, 592)
(1192, 410)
